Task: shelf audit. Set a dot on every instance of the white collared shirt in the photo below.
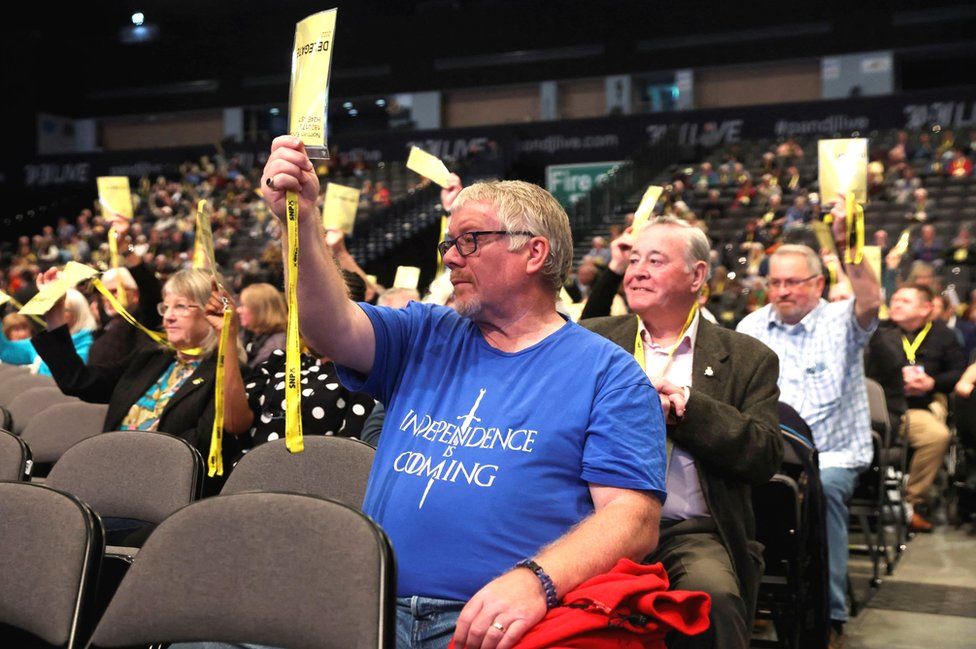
(685, 498)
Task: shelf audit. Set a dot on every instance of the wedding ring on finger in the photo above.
(499, 626)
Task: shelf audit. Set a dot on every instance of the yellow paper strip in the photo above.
(215, 460)
(203, 251)
(428, 166)
(293, 345)
(646, 207)
(339, 210)
(407, 277)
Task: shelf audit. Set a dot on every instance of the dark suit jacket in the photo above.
(189, 414)
(730, 427)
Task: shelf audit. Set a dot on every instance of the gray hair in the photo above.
(697, 247)
(194, 285)
(76, 302)
(814, 265)
(522, 206)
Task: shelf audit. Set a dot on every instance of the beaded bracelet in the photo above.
(550, 589)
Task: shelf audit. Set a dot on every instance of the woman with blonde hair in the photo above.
(264, 316)
(168, 389)
(80, 322)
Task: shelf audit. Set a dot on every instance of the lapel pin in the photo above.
(708, 371)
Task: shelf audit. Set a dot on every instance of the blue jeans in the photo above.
(425, 622)
(838, 487)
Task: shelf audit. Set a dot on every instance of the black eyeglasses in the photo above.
(467, 242)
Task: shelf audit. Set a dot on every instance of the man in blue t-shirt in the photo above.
(521, 454)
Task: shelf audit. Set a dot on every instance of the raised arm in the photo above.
(329, 320)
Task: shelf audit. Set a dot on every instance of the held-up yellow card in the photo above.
(311, 61)
(407, 277)
(115, 196)
(646, 207)
(72, 274)
(429, 166)
(339, 210)
(843, 166)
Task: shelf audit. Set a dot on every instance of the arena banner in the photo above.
(528, 148)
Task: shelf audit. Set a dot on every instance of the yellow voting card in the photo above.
(843, 166)
(311, 62)
(339, 210)
(429, 166)
(407, 277)
(646, 207)
(115, 196)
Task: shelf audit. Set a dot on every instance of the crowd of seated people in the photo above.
(705, 376)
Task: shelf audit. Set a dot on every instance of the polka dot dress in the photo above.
(327, 407)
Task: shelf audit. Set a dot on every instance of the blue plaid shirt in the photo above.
(821, 374)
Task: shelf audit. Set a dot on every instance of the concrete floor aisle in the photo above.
(930, 601)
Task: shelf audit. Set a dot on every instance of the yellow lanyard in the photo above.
(215, 461)
(639, 342)
(639, 357)
(293, 345)
(912, 348)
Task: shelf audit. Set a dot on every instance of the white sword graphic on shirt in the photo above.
(465, 424)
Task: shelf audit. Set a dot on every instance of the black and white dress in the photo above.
(328, 408)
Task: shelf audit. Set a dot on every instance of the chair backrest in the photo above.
(329, 467)
(131, 474)
(52, 546)
(878, 405)
(286, 570)
(54, 430)
(13, 385)
(15, 458)
(30, 402)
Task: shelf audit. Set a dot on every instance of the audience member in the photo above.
(504, 354)
(159, 389)
(820, 346)
(720, 388)
(932, 362)
(264, 316)
(76, 314)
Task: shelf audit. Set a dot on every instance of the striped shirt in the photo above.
(821, 375)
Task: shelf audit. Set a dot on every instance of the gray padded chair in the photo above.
(30, 402)
(15, 458)
(131, 474)
(329, 467)
(52, 546)
(13, 385)
(285, 570)
(54, 430)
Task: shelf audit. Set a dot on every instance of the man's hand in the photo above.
(290, 170)
(620, 249)
(515, 601)
(449, 193)
(335, 240)
(917, 382)
(672, 400)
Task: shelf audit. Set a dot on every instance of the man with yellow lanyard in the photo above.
(933, 361)
(719, 391)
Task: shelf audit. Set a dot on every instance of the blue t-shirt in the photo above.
(487, 456)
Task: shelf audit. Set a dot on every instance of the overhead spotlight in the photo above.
(138, 18)
(347, 105)
(353, 112)
(275, 111)
(381, 102)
